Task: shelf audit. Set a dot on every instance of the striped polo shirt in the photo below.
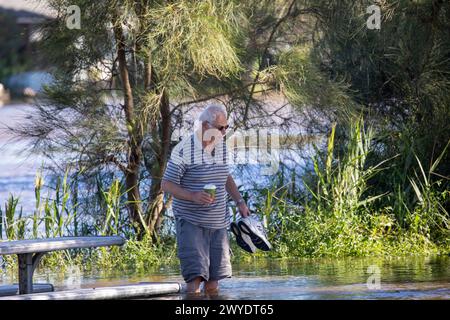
(191, 167)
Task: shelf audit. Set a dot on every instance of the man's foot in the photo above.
(194, 295)
(211, 288)
(193, 287)
(212, 294)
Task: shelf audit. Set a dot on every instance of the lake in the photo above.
(17, 168)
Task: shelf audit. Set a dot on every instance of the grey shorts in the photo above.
(203, 252)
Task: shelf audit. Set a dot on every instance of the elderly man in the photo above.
(201, 219)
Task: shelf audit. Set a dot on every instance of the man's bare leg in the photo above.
(212, 287)
(194, 285)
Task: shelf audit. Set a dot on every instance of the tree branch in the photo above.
(266, 49)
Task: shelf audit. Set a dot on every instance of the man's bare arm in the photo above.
(178, 192)
(233, 190)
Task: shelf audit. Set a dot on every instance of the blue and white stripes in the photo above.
(191, 167)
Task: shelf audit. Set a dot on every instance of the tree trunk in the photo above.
(161, 145)
(151, 221)
(134, 138)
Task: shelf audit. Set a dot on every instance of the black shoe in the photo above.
(242, 239)
(255, 230)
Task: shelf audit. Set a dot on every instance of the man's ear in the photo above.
(212, 133)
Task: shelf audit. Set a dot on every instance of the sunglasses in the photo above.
(221, 127)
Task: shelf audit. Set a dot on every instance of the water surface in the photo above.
(350, 278)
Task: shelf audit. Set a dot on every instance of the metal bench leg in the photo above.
(27, 265)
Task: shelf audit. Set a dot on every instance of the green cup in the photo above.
(211, 189)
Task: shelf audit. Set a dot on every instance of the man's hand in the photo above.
(201, 197)
(243, 210)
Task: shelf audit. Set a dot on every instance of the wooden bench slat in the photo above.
(10, 290)
(62, 243)
(100, 293)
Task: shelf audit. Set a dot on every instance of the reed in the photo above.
(341, 215)
(10, 211)
(430, 218)
(112, 202)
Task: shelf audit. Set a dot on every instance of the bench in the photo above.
(30, 252)
(130, 291)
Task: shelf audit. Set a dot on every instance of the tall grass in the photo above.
(12, 227)
(341, 216)
(56, 215)
(112, 202)
(430, 218)
(340, 187)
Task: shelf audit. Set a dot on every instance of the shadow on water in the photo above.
(350, 278)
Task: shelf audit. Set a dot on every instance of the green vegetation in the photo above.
(334, 216)
(377, 187)
(55, 217)
(341, 217)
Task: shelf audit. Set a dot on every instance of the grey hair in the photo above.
(210, 113)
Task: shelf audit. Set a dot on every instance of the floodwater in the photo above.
(17, 167)
(349, 278)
